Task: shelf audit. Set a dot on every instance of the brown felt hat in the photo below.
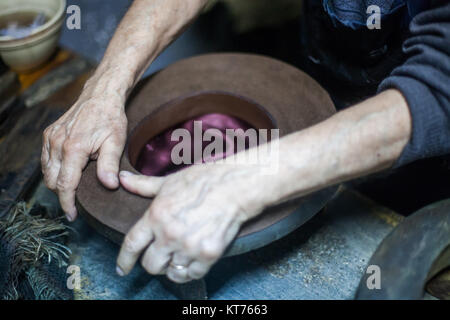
(263, 91)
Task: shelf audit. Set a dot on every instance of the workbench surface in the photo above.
(323, 259)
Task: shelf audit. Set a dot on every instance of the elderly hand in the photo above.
(93, 128)
(198, 211)
(195, 215)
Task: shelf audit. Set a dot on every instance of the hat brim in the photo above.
(273, 93)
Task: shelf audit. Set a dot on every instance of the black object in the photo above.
(412, 254)
(3, 67)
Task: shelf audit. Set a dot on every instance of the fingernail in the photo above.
(113, 178)
(120, 271)
(126, 174)
(70, 216)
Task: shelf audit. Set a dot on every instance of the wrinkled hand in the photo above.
(93, 128)
(197, 212)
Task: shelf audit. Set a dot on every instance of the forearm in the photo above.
(147, 28)
(198, 211)
(366, 138)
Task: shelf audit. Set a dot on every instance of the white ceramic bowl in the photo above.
(27, 53)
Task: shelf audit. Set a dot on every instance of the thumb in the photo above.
(108, 162)
(142, 185)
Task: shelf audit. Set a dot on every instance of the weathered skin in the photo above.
(197, 212)
(95, 126)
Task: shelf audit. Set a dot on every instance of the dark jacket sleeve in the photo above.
(424, 80)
